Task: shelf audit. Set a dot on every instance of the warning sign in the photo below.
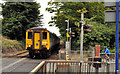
(68, 35)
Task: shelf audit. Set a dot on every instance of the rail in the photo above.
(17, 54)
(40, 68)
(60, 66)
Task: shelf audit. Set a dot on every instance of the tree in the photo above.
(101, 34)
(68, 10)
(18, 17)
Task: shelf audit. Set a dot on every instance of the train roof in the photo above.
(36, 28)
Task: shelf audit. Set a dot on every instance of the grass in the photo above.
(9, 46)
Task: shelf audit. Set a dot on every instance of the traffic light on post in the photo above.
(87, 28)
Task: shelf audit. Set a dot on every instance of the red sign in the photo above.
(62, 51)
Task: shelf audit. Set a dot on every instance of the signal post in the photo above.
(68, 46)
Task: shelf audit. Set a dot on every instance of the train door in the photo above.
(36, 40)
(45, 42)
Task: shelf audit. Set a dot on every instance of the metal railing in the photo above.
(40, 68)
(58, 66)
(110, 59)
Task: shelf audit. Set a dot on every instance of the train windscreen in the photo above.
(29, 35)
(44, 35)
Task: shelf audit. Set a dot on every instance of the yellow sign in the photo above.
(68, 35)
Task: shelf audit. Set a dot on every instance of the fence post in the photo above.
(89, 67)
(75, 53)
(80, 68)
(59, 54)
(97, 69)
(108, 68)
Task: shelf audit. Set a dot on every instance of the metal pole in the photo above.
(81, 41)
(67, 42)
(117, 38)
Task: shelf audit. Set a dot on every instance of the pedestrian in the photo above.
(107, 52)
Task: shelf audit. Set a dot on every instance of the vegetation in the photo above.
(101, 34)
(18, 17)
(9, 46)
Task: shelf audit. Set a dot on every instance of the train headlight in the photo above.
(45, 42)
(29, 45)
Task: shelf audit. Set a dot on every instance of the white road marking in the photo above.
(13, 63)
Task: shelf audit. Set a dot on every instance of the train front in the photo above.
(37, 42)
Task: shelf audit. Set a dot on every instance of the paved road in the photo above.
(19, 64)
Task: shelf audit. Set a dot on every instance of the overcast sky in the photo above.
(46, 16)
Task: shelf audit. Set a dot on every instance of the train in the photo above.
(41, 42)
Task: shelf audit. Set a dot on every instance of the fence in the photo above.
(58, 66)
(111, 57)
(75, 54)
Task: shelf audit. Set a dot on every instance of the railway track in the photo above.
(19, 54)
(14, 62)
(12, 65)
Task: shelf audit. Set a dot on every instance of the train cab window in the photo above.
(29, 35)
(44, 35)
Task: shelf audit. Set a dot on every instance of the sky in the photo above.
(46, 16)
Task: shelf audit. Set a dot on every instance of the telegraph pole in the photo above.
(81, 41)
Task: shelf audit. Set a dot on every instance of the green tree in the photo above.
(18, 17)
(101, 34)
(68, 10)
